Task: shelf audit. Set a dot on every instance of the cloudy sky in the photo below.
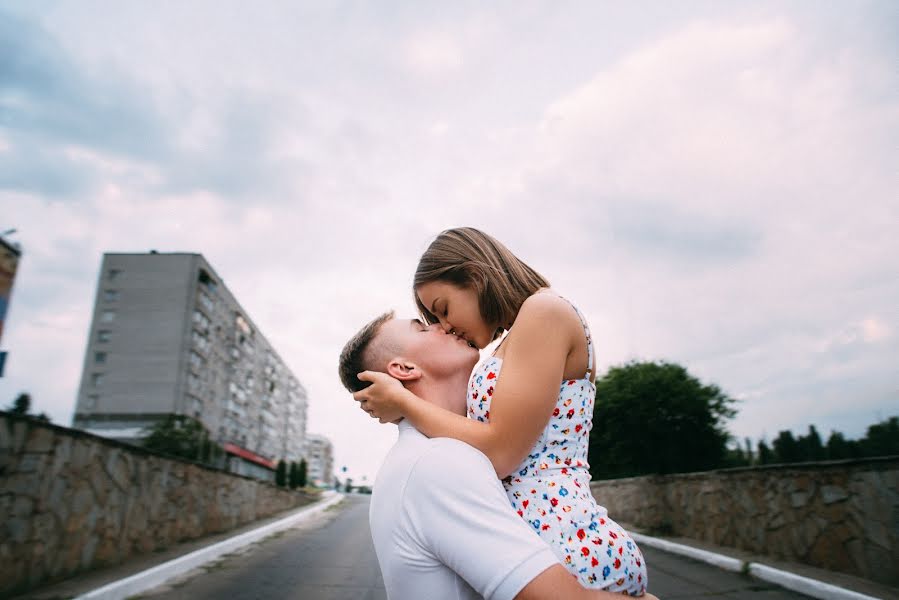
(713, 183)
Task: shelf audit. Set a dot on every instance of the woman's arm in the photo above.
(522, 403)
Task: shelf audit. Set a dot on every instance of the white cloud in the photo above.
(714, 191)
(439, 128)
(874, 330)
(433, 53)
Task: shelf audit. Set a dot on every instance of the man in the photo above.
(442, 525)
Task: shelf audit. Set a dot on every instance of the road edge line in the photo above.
(156, 576)
(718, 560)
(791, 581)
(804, 585)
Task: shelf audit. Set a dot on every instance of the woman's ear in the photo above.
(403, 370)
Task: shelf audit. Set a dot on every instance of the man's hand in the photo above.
(383, 399)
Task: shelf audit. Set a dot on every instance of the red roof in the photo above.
(247, 455)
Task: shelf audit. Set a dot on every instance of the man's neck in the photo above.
(447, 392)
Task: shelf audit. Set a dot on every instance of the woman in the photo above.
(530, 404)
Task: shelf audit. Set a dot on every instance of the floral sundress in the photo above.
(550, 490)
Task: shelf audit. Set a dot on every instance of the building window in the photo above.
(196, 360)
(113, 274)
(201, 320)
(206, 280)
(206, 301)
(103, 336)
(111, 295)
(195, 404)
(107, 316)
(91, 400)
(200, 340)
(100, 358)
(97, 379)
(242, 324)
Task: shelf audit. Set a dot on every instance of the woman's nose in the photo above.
(447, 328)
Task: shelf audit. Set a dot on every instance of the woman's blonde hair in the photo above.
(469, 258)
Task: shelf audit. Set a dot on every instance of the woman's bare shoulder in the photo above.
(548, 308)
(546, 302)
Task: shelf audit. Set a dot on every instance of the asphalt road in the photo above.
(327, 558)
(332, 558)
(672, 576)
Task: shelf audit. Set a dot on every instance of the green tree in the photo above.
(810, 446)
(301, 476)
(348, 486)
(293, 475)
(837, 446)
(786, 448)
(210, 452)
(654, 417)
(765, 455)
(181, 436)
(736, 457)
(21, 405)
(281, 474)
(882, 438)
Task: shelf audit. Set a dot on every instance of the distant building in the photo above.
(319, 460)
(10, 254)
(168, 337)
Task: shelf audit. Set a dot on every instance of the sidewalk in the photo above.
(83, 583)
(842, 580)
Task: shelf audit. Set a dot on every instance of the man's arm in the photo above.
(460, 512)
(556, 583)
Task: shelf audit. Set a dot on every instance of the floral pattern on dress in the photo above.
(550, 490)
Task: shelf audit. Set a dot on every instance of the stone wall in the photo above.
(71, 501)
(839, 515)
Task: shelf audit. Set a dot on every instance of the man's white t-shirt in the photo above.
(443, 527)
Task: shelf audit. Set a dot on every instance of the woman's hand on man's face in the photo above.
(382, 400)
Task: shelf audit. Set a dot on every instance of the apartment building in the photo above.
(319, 460)
(167, 336)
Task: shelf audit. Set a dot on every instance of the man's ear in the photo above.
(403, 370)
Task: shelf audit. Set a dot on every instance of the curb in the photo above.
(156, 576)
(804, 585)
(785, 579)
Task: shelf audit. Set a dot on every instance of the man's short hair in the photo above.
(360, 354)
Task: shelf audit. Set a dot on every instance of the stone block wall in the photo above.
(71, 501)
(838, 515)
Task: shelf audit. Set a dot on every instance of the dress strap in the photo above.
(589, 338)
